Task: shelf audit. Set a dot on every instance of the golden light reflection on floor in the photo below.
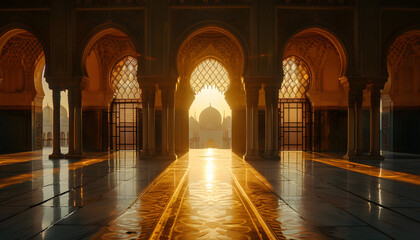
(369, 170)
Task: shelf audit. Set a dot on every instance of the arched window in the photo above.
(209, 73)
(126, 106)
(124, 79)
(296, 78)
(295, 110)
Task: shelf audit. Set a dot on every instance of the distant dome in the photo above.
(210, 119)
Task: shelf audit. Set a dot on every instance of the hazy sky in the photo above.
(206, 96)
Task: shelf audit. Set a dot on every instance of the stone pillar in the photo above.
(359, 123)
(171, 123)
(164, 97)
(78, 147)
(350, 125)
(151, 121)
(56, 154)
(375, 98)
(275, 106)
(251, 123)
(271, 122)
(145, 122)
(71, 122)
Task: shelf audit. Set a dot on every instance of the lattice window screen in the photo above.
(209, 73)
(296, 78)
(124, 79)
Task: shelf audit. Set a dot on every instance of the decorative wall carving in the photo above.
(210, 2)
(312, 49)
(25, 3)
(317, 2)
(221, 47)
(400, 3)
(18, 58)
(110, 48)
(404, 51)
(96, 3)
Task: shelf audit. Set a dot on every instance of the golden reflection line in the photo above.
(371, 170)
(39, 173)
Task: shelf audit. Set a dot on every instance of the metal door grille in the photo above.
(295, 124)
(125, 125)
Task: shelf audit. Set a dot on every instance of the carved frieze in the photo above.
(400, 3)
(209, 2)
(317, 2)
(102, 3)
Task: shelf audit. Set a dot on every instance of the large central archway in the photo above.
(210, 59)
(209, 81)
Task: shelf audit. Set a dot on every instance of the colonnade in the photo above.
(355, 142)
(168, 121)
(75, 123)
(271, 132)
(354, 136)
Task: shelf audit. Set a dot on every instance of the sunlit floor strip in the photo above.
(5, 182)
(283, 221)
(369, 170)
(142, 217)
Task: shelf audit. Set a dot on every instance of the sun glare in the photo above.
(207, 96)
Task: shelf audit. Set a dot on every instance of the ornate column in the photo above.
(251, 94)
(354, 86)
(375, 99)
(350, 125)
(71, 122)
(359, 122)
(171, 123)
(151, 121)
(271, 121)
(145, 120)
(56, 125)
(164, 97)
(78, 147)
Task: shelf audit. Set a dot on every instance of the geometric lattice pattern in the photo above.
(209, 73)
(296, 78)
(124, 79)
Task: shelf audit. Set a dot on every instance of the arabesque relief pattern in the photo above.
(19, 53)
(404, 50)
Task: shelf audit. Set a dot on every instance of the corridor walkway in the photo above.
(208, 194)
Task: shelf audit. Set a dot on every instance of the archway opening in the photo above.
(210, 121)
(295, 115)
(400, 98)
(24, 91)
(125, 110)
(109, 66)
(320, 56)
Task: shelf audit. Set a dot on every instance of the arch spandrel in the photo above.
(402, 57)
(211, 42)
(323, 41)
(106, 33)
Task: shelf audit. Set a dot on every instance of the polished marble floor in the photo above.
(209, 194)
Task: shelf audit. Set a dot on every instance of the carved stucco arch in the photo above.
(109, 45)
(27, 49)
(402, 49)
(96, 34)
(333, 40)
(204, 43)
